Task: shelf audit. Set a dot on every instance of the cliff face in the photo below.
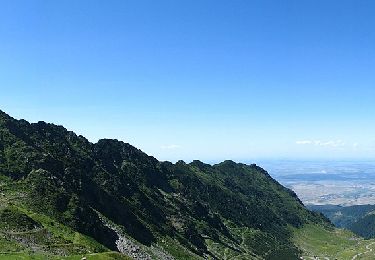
(197, 208)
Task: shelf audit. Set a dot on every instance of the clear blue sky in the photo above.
(197, 79)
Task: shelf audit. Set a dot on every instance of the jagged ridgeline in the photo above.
(63, 196)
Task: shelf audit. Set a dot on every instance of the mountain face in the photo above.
(115, 197)
(360, 219)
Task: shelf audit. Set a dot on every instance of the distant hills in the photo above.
(360, 219)
(62, 196)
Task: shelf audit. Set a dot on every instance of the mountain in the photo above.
(359, 219)
(62, 195)
(343, 216)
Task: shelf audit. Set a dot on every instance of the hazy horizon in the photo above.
(247, 160)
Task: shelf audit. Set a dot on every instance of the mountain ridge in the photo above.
(100, 188)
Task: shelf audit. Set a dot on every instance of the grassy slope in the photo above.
(19, 239)
(94, 256)
(324, 243)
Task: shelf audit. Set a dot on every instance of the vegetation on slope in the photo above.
(319, 242)
(360, 219)
(110, 192)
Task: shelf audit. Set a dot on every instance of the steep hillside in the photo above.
(360, 219)
(89, 198)
(343, 216)
(364, 226)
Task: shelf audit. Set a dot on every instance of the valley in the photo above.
(343, 183)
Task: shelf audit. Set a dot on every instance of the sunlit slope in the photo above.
(332, 243)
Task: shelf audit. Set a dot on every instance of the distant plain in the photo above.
(326, 182)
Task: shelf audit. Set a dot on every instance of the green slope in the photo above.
(111, 196)
(359, 219)
(27, 235)
(332, 243)
(365, 226)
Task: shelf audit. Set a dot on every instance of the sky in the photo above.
(197, 79)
